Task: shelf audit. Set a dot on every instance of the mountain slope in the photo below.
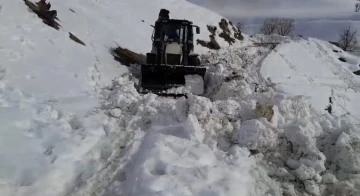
(321, 75)
(98, 24)
(49, 84)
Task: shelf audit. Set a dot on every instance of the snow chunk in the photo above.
(305, 173)
(199, 106)
(348, 152)
(312, 187)
(195, 84)
(165, 164)
(116, 112)
(256, 134)
(193, 129)
(233, 88)
(328, 178)
(301, 133)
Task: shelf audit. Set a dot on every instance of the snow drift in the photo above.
(317, 69)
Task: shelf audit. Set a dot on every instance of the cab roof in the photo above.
(175, 21)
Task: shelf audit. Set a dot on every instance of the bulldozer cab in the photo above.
(173, 41)
(180, 31)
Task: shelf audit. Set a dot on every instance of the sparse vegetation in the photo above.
(357, 6)
(280, 26)
(237, 30)
(348, 40)
(240, 25)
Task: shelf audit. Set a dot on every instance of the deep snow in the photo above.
(72, 122)
(320, 76)
(50, 118)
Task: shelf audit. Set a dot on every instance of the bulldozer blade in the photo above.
(162, 77)
(162, 94)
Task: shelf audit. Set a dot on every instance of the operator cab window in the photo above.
(174, 33)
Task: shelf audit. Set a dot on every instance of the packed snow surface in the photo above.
(317, 69)
(73, 123)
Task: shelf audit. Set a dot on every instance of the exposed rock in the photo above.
(75, 39)
(227, 37)
(211, 45)
(212, 29)
(226, 33)
(43, 15)
(224, 25)
(342, 59)
(237, 32)
(357, 72)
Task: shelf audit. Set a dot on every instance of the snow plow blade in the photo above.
(157, 78)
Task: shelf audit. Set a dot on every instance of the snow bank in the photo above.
(168, 164)
(312, 68)
(301, 149)
(165, 148)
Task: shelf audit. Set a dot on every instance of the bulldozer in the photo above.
(172, 57)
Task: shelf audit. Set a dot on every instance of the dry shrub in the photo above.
(264, 110)
(348, 39)
(280, 26)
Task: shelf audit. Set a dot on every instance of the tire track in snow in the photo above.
(293, 67)
(95, 73)
(338, 69)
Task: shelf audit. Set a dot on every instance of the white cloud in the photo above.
(285, 8)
